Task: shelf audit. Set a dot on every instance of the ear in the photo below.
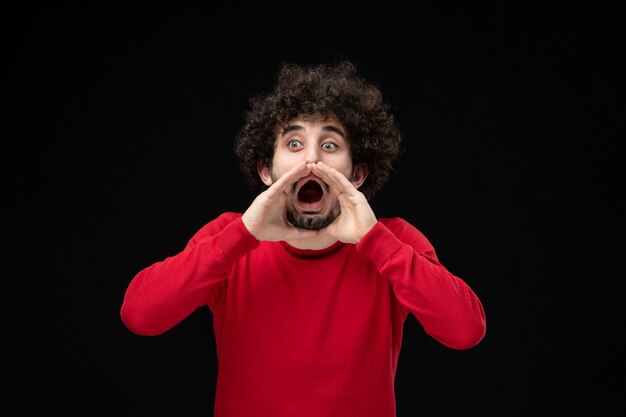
(359, 173)
(263, 169)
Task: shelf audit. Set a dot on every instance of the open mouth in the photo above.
(310, 193)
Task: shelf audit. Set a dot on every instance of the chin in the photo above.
(311, 206)
(312, 220)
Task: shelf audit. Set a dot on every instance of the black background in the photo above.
(118, 148)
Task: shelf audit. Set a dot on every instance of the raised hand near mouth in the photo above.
(265, 218)
(357, 217)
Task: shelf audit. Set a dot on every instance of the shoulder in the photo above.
(407, 233)
(215, 226)
(398, 225)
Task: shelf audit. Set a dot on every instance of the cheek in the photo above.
(279, 167)
(284, 161)
(341, 164)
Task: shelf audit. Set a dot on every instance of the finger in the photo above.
(324, 172)
(345, 184)
(336, 180)
(289, 177)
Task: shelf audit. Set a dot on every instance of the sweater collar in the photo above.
(313, 253)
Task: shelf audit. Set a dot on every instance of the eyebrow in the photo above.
(326, 128)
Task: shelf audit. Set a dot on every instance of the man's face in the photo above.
(310, 203)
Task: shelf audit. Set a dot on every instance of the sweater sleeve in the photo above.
(164, 293)
(446, 307)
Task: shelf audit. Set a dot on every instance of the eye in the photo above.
(329, 146)
(294, 144)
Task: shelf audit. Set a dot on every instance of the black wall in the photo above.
(118, 147)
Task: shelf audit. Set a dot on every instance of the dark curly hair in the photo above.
(322, 91)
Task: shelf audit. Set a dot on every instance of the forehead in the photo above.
(312, 122)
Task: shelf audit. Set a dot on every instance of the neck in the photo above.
(321, 241)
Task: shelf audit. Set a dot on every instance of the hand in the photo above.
(265, 218)
(357, 217)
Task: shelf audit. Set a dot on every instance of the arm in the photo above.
(444, 304)
(166, 292)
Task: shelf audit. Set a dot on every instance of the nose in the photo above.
(312, 154)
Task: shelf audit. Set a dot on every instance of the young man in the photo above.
(308, 289)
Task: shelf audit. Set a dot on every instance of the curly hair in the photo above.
(322, 91)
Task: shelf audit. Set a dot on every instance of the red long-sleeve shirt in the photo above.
(306, 332)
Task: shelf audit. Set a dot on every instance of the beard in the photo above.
(311, 221)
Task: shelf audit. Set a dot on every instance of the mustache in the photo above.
(274, 178)
(325, 186)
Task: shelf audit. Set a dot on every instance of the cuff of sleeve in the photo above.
(235, 240)
(378, 245)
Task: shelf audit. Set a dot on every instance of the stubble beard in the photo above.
(309, 220)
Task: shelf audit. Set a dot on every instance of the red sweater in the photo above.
(306, 332)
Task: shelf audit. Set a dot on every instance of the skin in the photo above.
(307, 148)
